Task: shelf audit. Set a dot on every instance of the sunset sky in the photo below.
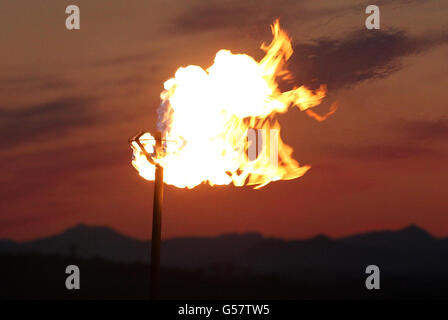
(69, 101)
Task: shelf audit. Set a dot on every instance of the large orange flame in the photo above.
(208, 116)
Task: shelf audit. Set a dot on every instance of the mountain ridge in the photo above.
(411, 248)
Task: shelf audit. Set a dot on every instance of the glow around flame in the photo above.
(207, 116)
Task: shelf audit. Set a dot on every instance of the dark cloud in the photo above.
(51, 119)
(207, 16)
(436, 130)
(124, 59)
(36, 82)
(251, 16)
(363, 55)
(215, 15)
(29, 172)
(89, 156)
(415, 138)
(54, 163)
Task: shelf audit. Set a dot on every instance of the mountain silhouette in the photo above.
(404, 238)
(411, 249)
(85, 241)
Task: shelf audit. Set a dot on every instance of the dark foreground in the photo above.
(35, 276)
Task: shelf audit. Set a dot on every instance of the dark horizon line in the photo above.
(410, 226)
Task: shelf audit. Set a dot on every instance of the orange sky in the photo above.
(71, 99)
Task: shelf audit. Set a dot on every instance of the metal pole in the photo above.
(156, 223)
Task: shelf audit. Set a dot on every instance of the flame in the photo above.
(208, 116)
